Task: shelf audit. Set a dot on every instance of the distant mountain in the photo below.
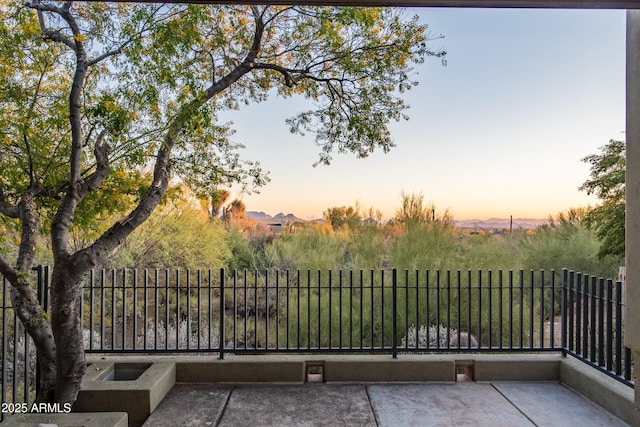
(287, 218)
(488, 224)
(280, 218)
(501, 223)
(259, 216)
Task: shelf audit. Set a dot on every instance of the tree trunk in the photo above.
(66, 289)
(37, 325)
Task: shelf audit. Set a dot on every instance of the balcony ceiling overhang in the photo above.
(548, 4)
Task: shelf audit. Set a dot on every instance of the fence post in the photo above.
(222, 308)
(619, 339)
(394, 312)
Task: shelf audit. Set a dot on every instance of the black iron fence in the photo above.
(375, 311)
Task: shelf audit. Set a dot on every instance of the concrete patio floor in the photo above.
(491, 404)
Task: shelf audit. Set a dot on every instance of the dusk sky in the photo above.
(500, 131)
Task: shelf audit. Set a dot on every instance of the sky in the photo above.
(500, 131)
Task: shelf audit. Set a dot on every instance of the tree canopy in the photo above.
(101, 104)
(607, 182)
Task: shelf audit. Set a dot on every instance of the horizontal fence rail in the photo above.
(373, 311)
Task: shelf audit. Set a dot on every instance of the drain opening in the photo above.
(464, 372)
(314, 372)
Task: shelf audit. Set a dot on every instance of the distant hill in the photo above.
(280, 218)
(489, 224)
(500, 223)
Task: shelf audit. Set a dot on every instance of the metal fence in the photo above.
(374, 311)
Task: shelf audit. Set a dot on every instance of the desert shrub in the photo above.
(311, 247)
(424, 246)
(178, 235)
(186, 334)
(432, 337)
(566, 244)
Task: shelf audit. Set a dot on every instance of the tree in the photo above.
(234, 212)
(343, 216)
(218, 198)
(92, 92)
(607, 182)
(414, 213)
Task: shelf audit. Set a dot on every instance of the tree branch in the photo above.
(6, 209)
(53, 35)
(101, 151)
(8, 271)
(29, 221)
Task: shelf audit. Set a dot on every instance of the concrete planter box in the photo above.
(134, 388)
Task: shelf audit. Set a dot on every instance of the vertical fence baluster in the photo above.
(299, 300)
(585, 316)
(222, 313)
(339, 308)
(417, 324)
(406, 302)
(5, 343)
(448, 344)
(351, 309)
(382, 305)
(91, 303)
(361, 346)
(198, 310)
(245, 315)
(592, 320)
(541, 309)
(134, 337)
(266, 309)
(320, 312)
(145, 286)
(287, 277)
(490, 311)
(187, 315)
(521, 308)
(601, 322)
(17, 326)
(210, 328)
(531, 307)
(277, 310)
(569, 291)
(427, 314)
(167, 305)
(394, 313)
(156, 311)
(479, 287)
(609, 325)
(579, 305)
(234, 309)
(563, 309)
(178, 314)
(469, 308)
(437, 311)
(552, 311)
(501, 310)
(459, 297)
(124, 308)
(309, 310)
